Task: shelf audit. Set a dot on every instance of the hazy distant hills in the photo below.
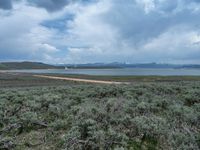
(124, 65)
(27, 65)
(39, 65)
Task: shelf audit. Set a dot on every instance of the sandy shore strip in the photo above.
(80, 80)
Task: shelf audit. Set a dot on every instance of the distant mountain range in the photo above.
(39, 65)
(124, 65)
(27, 65)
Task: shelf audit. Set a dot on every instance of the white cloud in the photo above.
(48, 48)
(148, 5)
(175, 44)
(108, 30)
(22, 36)
(140, 31)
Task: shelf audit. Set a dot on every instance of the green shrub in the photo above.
(121, 117)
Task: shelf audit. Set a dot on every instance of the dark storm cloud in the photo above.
(5, 4)
(50, 5)
(56, 5)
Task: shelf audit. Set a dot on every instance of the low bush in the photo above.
(96, 117)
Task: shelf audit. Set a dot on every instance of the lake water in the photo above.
(118, 72)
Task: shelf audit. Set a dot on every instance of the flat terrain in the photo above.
(149, 113)
(131, 78)
(27, 80)
(79, 79)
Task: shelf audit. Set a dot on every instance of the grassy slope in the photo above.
(26, 65)
(145, 115)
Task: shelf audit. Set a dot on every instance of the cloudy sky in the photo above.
(83, 31)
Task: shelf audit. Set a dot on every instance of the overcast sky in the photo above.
(87, 31)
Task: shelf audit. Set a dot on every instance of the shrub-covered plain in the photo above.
(101, 117)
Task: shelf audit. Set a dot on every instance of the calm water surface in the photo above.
(118, 72)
